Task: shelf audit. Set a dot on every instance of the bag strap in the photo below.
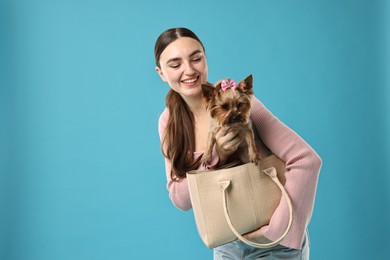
(271, 172)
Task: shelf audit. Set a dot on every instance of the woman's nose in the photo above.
(189, 70)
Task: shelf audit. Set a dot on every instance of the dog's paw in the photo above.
(206, 159)
(254, 158)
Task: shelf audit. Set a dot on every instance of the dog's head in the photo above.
(229, 102)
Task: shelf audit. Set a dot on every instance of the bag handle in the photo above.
(271, 172)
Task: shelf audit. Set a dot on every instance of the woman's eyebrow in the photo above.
(195, 52)
(178, 58)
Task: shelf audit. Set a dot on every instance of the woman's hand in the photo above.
(253, 235)
(228, 140)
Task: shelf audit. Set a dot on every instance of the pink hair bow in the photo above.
(229, 83)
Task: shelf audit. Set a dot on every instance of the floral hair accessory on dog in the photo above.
(229, 83)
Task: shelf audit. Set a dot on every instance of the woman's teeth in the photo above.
(190, 80)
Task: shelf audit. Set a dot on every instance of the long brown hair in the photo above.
(178, 143)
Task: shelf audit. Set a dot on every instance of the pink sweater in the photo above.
(302, 170)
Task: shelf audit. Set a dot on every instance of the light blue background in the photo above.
(82, 175)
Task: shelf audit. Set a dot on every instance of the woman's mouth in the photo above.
(190, 82)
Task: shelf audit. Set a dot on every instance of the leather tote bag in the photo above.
(233, 201)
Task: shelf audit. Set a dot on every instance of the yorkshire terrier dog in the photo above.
(229, 105)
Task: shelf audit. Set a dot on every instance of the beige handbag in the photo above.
(233, 201)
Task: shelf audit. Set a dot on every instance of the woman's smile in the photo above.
(190, 82)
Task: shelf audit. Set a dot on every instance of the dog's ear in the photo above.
(246, 85)
(208, 90)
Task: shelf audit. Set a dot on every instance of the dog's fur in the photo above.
(230, 108)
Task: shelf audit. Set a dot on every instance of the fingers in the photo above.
(227, 141)
(222, 132)
(227, 134)
(233, 144)
(253, 235)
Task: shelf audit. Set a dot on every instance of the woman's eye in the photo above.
(175, 66)
(197, 59)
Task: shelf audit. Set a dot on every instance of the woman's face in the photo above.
(184, 67)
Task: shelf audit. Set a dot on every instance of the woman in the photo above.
(183, 128)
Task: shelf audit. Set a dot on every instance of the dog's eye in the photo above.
(225, 106)
(239, 105)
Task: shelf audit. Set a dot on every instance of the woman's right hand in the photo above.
(228, 139)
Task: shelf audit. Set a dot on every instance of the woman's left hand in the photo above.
(227, 141)
(253, 235)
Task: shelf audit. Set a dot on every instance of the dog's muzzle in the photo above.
(235, 119)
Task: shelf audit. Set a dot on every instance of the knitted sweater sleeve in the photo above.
(302, 171)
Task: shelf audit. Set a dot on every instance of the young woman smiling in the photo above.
(183, 128)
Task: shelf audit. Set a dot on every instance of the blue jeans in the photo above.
(238, 250)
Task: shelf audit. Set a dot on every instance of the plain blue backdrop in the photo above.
(82, 175)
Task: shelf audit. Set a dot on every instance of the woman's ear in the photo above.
(161, 74)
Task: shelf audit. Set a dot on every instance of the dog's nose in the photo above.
(235, 119)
